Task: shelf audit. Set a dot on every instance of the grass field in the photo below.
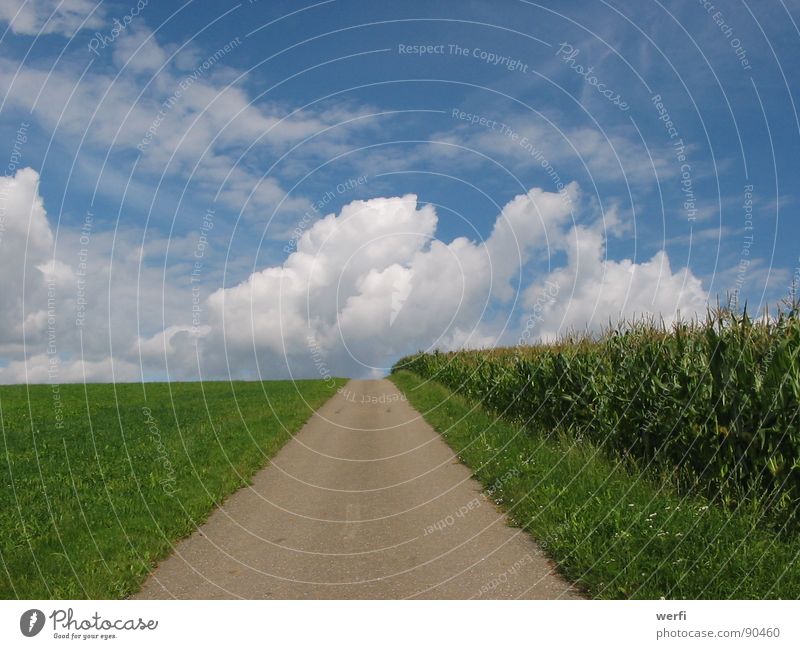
(98, 481)
(619, 532)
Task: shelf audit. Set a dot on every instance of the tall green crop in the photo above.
(714, 402)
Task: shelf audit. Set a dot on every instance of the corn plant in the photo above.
(714, 402)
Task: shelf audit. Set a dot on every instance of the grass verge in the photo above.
(617, 532)
(99, 481)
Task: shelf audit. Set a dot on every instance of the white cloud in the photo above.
(362, 288)
(32, 17)
(138, 50)
(37, 369)
(373, 283)
(183, 121)
(39, 294)
(529, 221)
(25, 242)
(590, 291)
(611, 156)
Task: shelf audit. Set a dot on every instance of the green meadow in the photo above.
(99, 481)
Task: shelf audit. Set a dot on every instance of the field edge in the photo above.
(616, 533)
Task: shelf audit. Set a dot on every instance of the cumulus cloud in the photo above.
(590, 291)
(25, 242)
(374, 282)
(67, 310)
(362, 288)
(446, 291)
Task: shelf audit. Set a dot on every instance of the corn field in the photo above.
(712, 402)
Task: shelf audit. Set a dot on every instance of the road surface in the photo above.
(365, 502)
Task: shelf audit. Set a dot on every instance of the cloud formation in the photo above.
(374, 282)
(590, 291)
(46, 332)
(362, 288)
(33, 17)
(181, 111)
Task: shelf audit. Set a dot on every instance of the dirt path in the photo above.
(367, 501)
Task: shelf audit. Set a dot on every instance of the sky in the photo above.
(288, 189)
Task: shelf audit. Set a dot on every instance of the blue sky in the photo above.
(213, 128)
